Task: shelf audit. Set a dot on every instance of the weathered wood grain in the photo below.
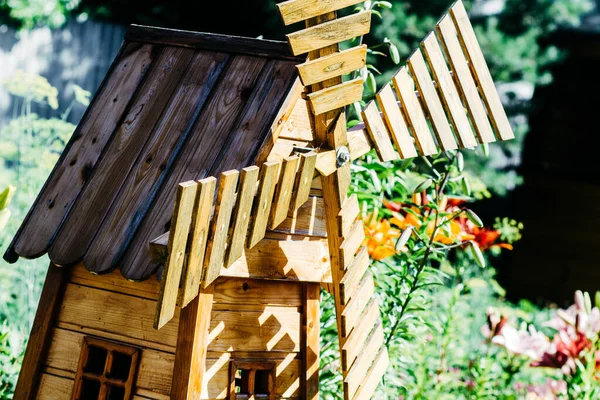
(83, 150)
(374, 376)
(480, 71)
(177, 247)
(335, 97)
(354, 309)
(292, 11)
(353, 345)
(431, 101)
(359, 370)
(358, 143)
(326, 162)
(304, 181)
(351, 280)
(283, 193)
(310, 328)
(262, 203)
(448, 92)
(219, 115)
(351, 243)
(415, 116)
(395, 122)
(39, 339)
(156, 160)
(331, 66)
(297, 126)
(378, 132)
(329, 33)
(54, 387)
(255, 291)
(198, 239)
(94, 202)
(242, 210)
(464, 79)
(348, 214)
(308, 220)
(219, 230)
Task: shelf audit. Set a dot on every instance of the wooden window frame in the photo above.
(252, 367)
(103, 378)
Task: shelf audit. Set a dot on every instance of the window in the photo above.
(106, 370)
(251, 380)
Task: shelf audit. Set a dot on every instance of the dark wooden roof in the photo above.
(174, 106)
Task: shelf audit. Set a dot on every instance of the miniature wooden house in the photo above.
(222, 165)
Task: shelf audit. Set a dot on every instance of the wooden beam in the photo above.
(431, 101)
(330, 33)
(311, 325)
(40, 336)
(481, 72)
(463, 77)
(337, 96)
(396, 123)
(378, 132)
(333, 65)
(448, 92)
(192, 346)
(293, 11)
(171, 276)
(197, 239)
(217, 242)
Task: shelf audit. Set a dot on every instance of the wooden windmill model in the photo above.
(237, 307)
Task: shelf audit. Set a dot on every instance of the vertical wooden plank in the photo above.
(431, 101)
(219, 231)
(405, 90)
(311, 320)
(241, 218)
(304, 180)
(378, 132)
(395, 122)
(464, 80)
(39, 339)
(448, 92)
(198, 238)
(262, 203)
(180, 228)
(283, 194)
(192, 345)
(480, 71)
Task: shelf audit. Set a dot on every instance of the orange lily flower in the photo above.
(380, 237)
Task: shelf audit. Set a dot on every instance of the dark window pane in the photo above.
(116, 393)
(121, 364)
(96, 360)
(90, 390)
(241, 381)
(261, 382)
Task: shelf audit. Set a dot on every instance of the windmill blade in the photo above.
(441, 103)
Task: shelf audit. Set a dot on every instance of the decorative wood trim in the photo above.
(39, 339)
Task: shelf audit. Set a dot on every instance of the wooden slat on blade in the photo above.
(328, 33)
(358, 143)
(304, 180)
(171, 276)
(348, 214)
(299, 10)
(405, 90)
(217, 243)
(121, 154)
(262, 202)
(374, 376)
(326, 162)
(368, 355)
(198, 238)
(466, 84)
(481, 71)
(353, 311)
(83, 150)
(353, 344)
(241, 217)
(336, 96)
(448, 92)
(333, 65)
(395, 123)
(351, 243)
(283, 194)
(378, 132)
(431, 101)
(351, 280)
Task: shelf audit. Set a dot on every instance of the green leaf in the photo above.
(4, 216)
(6, 196)
(474, 218)
(477, 254)
(371, 83)
(403, 239)
(426, 184)
(394, 54)
(82, 96)
(466, 186)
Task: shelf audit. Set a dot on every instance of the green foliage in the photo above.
(32, 13)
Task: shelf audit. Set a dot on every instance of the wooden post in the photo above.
(311, 348)
(39, 340)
